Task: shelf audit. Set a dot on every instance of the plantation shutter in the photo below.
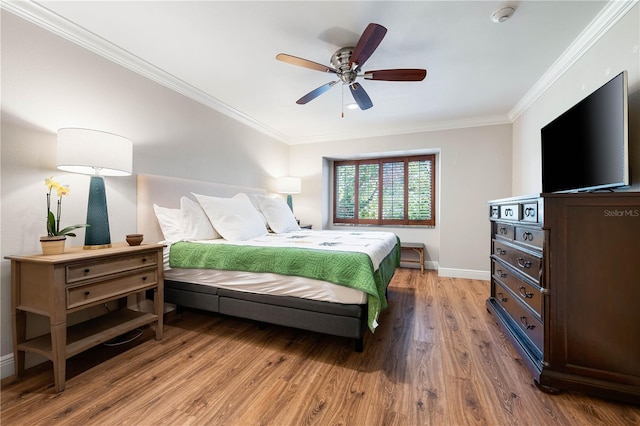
(345, 192)
(385, 191)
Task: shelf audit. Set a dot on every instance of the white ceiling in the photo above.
(222, 53)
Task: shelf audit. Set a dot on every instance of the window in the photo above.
(385, 191)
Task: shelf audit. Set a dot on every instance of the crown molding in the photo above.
(432, 126)
(607, 18)
(43, 17)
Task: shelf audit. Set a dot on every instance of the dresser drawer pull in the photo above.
(87, 293)
(529, 212)
(527, 236)
(501, 273)
(523, 264)
(144, 278)
(508, 212)
(500, 251)
(503, 230)
(501, 297)
(523, 292)
(525, 323)
(144, 259)
(86, 271)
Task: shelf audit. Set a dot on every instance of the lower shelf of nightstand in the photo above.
(85, 335)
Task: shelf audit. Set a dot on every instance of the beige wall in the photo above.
(474, 166)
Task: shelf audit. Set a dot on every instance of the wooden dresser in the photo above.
(565, 289)
(56, 285)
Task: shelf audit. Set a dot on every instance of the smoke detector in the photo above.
(503, 14)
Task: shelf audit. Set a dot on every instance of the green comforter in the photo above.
(350, 269)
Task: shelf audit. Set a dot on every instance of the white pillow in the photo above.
(255, 200)
(170, 221)
(234, 218)
(195, 223)
(279, 215)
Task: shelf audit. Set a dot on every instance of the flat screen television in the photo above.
(587, 147)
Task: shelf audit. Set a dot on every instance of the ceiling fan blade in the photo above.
(361, 97)
(294, 60)
(369, 41)
(315, 93)
(408, 74)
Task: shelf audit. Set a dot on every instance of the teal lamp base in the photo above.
(97, 234)
(290, 202)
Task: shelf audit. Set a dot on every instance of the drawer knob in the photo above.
(144, 259)
(501, 297)
(503, 231)
(523, 292)
(525, 323)
(144, 278)
(500, 251)
(529, 212)
(501, 273)
(523, 263)
(527, 236)
(86, 271)
(508, 212)
(87, 293)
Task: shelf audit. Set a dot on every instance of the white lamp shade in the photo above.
(92, 151)
(289, 185)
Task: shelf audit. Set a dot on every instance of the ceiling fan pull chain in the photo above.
(342, 115)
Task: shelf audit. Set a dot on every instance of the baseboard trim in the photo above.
(464, 273)
(7, 364)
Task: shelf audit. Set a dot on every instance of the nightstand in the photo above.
(306, 226)
(56, 285)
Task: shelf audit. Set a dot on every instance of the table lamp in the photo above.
(289, 185)
(98, 154)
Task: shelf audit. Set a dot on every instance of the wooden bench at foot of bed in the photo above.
(337, 319)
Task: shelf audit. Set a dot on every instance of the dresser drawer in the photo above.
(95, 269)
(530, 212)
(503, 230)
(521, 261)
(510, 212)
(526, 292)
(530, 236)
(494, 212)
(86, 294)
(526, 322)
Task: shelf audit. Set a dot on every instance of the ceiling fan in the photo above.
(347, 65)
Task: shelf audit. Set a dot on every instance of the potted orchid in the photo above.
(53, 243)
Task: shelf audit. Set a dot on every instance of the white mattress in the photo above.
(267, 283)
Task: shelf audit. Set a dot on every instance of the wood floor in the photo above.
(437, 358)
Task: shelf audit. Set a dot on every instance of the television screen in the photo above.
(586, 148)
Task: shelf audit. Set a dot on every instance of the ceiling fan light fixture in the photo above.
(502, 14)
(352, 105)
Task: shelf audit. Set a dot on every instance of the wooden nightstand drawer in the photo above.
(82, 295)
(89, 270)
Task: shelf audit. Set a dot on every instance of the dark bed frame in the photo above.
(346, 320)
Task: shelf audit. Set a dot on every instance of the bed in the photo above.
(332, 282)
